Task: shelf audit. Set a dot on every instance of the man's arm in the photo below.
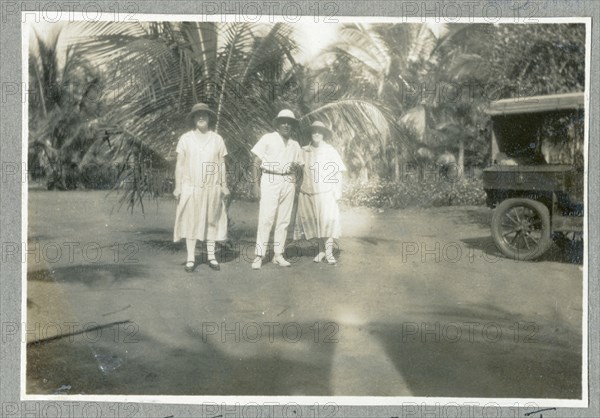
(258, 153)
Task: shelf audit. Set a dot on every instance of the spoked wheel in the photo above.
(521, 228)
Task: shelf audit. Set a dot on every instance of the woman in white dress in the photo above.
(318, 210)
(201, 186)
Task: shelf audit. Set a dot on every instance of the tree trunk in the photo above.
(461, 158)
(364, 174)
(396, 165)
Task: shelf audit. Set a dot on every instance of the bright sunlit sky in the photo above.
(310, 37)
(313, 37)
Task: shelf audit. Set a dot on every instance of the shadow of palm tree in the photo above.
(479, 352)
(92, 275)
(196, 365)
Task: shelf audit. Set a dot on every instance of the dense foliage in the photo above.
(64, 104)
(414, 193)
(395, 94)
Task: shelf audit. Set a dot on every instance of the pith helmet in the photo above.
(285, 114)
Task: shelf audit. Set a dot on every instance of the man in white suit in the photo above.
(280, 157)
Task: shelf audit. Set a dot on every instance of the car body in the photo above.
(536, 180)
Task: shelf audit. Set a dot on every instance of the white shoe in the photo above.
(279, 260)
(257, 263)
(319, 257)
(331, 259)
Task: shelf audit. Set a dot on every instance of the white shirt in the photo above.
(275, 155)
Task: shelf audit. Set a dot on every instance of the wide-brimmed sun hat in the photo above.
(201, 108)
(320, 127)
(285, 115)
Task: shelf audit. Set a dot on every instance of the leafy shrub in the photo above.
(98, 176)
(424, 193)
(243, 190)
(404, 194)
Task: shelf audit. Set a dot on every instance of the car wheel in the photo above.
(521, 228)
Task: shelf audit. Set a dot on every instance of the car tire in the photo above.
(521, 228)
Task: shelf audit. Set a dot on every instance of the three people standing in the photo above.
(201, 188)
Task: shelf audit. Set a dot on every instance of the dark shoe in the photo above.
(190, 266)
(213, 264)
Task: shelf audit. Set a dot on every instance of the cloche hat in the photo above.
(318, 126)
(201, 107)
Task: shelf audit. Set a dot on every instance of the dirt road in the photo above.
(420, 304)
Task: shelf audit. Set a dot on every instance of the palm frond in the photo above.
(269, 49)
(365, 46)
(202, 39)
(466, 66)
(422, 44)
(353, 118)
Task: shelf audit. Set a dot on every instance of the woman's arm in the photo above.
(178, 175)
(339, 187)
(341, 168)
(223, 176)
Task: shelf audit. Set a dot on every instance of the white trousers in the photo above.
(276, 203)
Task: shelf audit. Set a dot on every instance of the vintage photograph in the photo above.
(366, 208)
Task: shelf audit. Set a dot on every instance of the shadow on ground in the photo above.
(445, 357)
(570, 252)
(92, 275)
(198, 365)
(305, 248)
(481, 216)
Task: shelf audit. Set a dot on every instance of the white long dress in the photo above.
(201, 212)
(318, 210)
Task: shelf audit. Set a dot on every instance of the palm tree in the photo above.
(160, 69)
(509, 61)
(455, 117)
(411, 69)
(244, 71)
(537, 59)
(63, 109)
(405, 64)
(382, 63)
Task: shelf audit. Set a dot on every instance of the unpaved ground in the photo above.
(420, 304)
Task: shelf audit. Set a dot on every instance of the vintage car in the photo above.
(536, 180)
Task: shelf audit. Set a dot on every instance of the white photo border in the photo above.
(588, 311)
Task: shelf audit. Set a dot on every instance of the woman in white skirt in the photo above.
(318, 210)
(201, 186)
